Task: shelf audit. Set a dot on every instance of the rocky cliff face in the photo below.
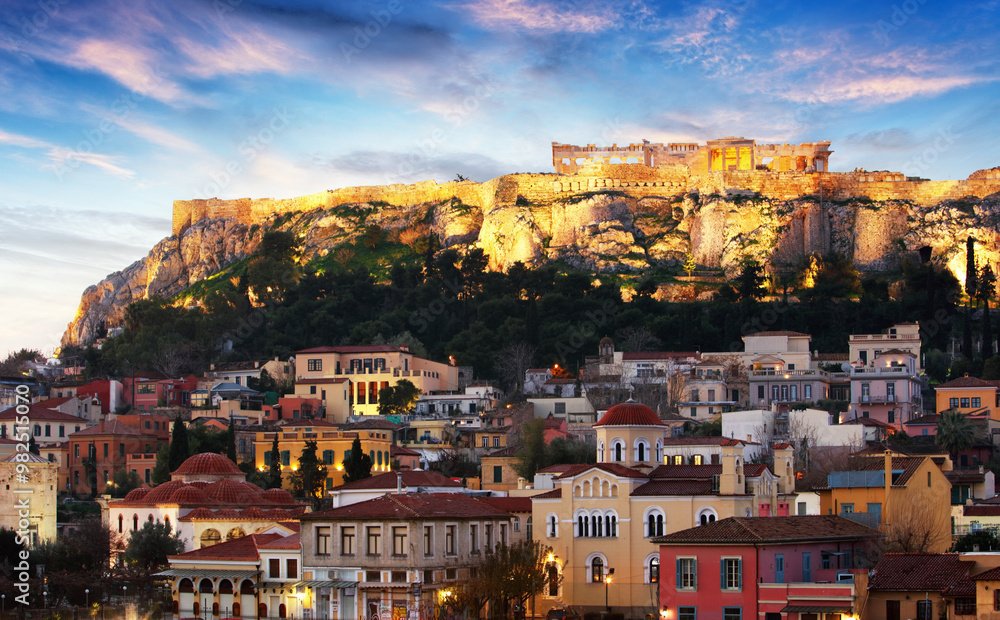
(602, 232)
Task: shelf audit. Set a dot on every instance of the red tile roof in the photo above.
(673, 487)
(374, 348)
(395, 450)
(658, 355)
(112, 427)
(992, 574)
(553, 494)
(695, 441)
(377, 425)
(908, 464)
(630, 413)
(38, 411)
(968, 382)
(411, 479)
(321, 380)
(208, 463)
(757, 530)
(508, 504)
(52, 403)
(286, 542)
(409, 506)
(982, 510)
(244, 548)
(555, 469)
(611, 468)
(698, 472)
(783, 332)
(918, 571)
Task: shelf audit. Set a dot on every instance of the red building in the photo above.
(109, 392)
(96, 452)
(158, 424)
(147, 390)
(294, 408)
(745, 568)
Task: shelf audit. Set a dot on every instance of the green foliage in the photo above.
(179, 449)
(149, 547)
(398, 399)
(357, 464)
(535, 454)
(711, 428)
(991, 369)
(508, 576)
(309, 478)
(16, 363)
(231, 440)
(124, 481)
(161, 471)
(954, 432)
(976, 541)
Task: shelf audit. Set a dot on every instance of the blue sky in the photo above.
(110, 110)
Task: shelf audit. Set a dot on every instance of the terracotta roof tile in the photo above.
(38, 411)
(373, 348)
(411, 479)
(208, 463)
(243, 548)
(553, 494)
(408, 506)
(611, 468)
(508, 504)
(673, 487)
(918, 571)
(630, 413)
(112, 427)
(968, 382)
(771, 530)
(992, 574)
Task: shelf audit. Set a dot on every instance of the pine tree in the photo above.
(179, 449)
(231, 441)
(970, 267)
(987, 283)
(357, 464)
(274, 480)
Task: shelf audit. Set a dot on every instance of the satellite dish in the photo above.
(846, 367)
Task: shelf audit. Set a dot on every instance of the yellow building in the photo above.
(602, 517)
(969, 395)
(332, 447)
(37, 488)
(363, 371)
(898, 494)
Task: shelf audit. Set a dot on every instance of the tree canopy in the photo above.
(149, 546)
(357, 464)
(398, 399)
(309, 478)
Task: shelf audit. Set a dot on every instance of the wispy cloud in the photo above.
(62, 159)
(886, 89)
(22, 141)
(538, 16)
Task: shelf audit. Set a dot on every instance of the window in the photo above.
(497, 473)
(847, 509)
(374, 540)
(924, 609)
(559, 408)
(965, 403)
(597, 570)
(314, 365)
(286, 457)
(953, 403)
(322, 540)
(489, 536)
(965, 606)
(732, 574)
(105, 450)
(826, 560)
(760, 395)
(274, 568)
(687, 575)
(687, 613)
(399, 541)
(121, 450)
(503, 534)
(473, 538)
(806, 567)
(732, 613)
(496, 442)
(347, 540)
(779, 568)
(328, 457)
(292, 565)
(552, 577)
(996, 600)
(373, 576)
(553, 526)
(890, 391)
(695, 396)
(654, 525)
(486, 442)
(654, 570)
(449, 540)
(617, 449)
(428, 540)
(397, 576)
(977, 402)
(807, 391)
(892, 416)
(76, 451)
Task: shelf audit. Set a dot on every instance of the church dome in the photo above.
(137, 495)
(208, 463)
(188, 495)
(161, 493)
(278, 496)
(231, 492)
(630, 413)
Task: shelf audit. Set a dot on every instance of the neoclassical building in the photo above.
(207, 500)
(602, 518)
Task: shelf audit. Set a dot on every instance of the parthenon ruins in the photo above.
(730, 153)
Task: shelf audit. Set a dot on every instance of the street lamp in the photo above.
(87, 592)
(607, 581)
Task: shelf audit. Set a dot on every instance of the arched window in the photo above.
(166, 521)
(527, 528)
(205, 586)
(600, 451)
(235, 533)
(281, 611)
(185, 585)
(706, 516)
(659, 451)
(210, 537)
(613, 526)
(654, 523)
(135, 522)
(553, 526)
(517, 523)
(598, 526)
(654, 570)
(641, 451)
(225, 587)
(150, 519)
(121, 519)
(597, 570)
(552, 577)
(617, 450)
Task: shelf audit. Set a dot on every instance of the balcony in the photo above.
(962, 530)
(789, 374)
(881, 370)
(891, 398)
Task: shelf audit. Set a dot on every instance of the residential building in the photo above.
(332, 448)
(707, 391)
(207, 500)
(694, 450)
(775, 567)
(866, 348)
(407, 460)
(498, 472)
(368, 369)
(814, 425)
(535, 378)
(242, 372)
(84, 406)
(28, 495)
(404, 551)
(887, 389)
(158, 424)
(602, 517)
(895, 493)
(96, 452)
(475, 399)
(970, 396)
(110, 393)
(917, 585)
(575, 410)
(45, 425)
(296, 408)
(981, 517)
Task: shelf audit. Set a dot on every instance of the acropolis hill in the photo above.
(606, 209)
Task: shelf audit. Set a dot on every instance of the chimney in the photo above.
(399, 483)
(256, 365)
(211, 366)
(888, 482)
(100, 426)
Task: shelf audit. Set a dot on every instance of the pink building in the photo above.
(745, 568)
(294, 408)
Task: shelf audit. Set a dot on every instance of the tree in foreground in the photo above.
(507, 578)
(954, 432)
(274, 479)
(357, 464)
(179, 450)
(398, 399)
(149, 547)
(310, 477)
(123, 481)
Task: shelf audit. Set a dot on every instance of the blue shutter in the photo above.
(722, 574)
(739, 574)
(678, 562)
(694, 571)
(267, 458)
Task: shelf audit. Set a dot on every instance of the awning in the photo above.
(208, 572)
(323, 583)
(818, 609)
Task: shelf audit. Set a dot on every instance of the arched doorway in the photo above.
(226, 599)
(186, 599)
(248, 598)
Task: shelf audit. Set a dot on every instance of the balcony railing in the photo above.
(962, 530)
(880, 370)
(788, 374)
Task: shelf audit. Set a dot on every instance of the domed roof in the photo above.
(136, 495)
(189, 495)
(227, 513)
(199, 484)
(162, 493)
(278, 496)
(276, 513)
(606, 340)
(231, 492)
(207, 463)
(252, 512)
(200, 513)
(630, 413)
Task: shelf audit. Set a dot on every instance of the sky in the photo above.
(112, 109)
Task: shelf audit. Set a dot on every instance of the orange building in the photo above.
(970, 396)
(107, 444)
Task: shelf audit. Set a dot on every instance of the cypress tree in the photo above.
(274, 479)
(231, 441)
(179, 449)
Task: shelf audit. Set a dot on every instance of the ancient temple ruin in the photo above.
(724, 154)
